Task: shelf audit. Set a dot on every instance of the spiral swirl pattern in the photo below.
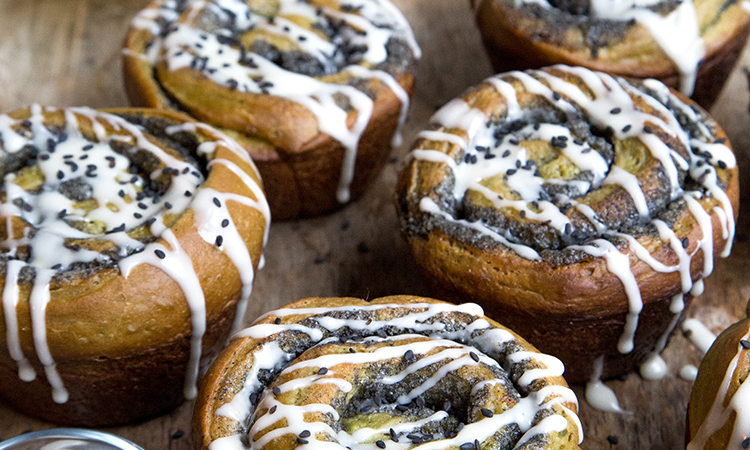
(396, 372)
(533, 172)
(101, 208)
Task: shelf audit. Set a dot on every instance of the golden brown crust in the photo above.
(513, 42)
(227, 375)
(570, 305)
(300, 164)
(711, 393)
(111, 332)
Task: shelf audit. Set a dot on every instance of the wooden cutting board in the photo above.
(67, 52)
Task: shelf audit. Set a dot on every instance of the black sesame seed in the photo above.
(612, 439)
(217, 202)
(402, 408)
(409, 355)
(476, 444)
(722, 165)
(160, 254)
(225, 223)
(513, 141)
(647, 129)
(486, 412)
(380, 444)
(60, 175)
(626, 128)
(137, 215)
(506, 153)
(351, 350)
(685, 243)
(178, 434)
(467, 446)
(586, 150)
(745, 343)
(219, 241)
(511, 172)
(272, 410)
(419, 401)
(556, 96)
(302, 441)
(304, 434)
(142, 206)
(474, 356)
(188, 194)
(277, 321)
(322, 371)
(167, 205)
(276, 391)
(720, 141)
(87, 147)
(393, 434)
(746, 443)
(57, 267)
(523, 214)
(615, 111)
(557, 142)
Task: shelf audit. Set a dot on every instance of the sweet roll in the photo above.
(129, 240)
(581, 208)
(316, 91)
(396, 372)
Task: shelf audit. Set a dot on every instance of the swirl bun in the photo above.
(582, 209)
(689, 45)
(717, 419)
(315, 90)
(397, 371)
(116, 227)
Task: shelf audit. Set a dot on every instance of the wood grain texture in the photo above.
(67, 52)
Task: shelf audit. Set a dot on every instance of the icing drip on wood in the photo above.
(366, 25)
(609, 103)
(419, 333)
(87, 190)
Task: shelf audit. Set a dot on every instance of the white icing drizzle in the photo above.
(480, 344)
(723, 409)
(698, 334)
(689, 372)
(123, 201)
(610, 103)
(599, 395)
(677, 33)
(372, 24)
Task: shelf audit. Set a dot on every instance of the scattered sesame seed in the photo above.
(351, 350)
(60, 175)
(474, 356)
(302, 441)
(626, 128)
(276, 391)
(615, 110)
(722, 165)
(322, 371)
(57, 267)
(556, 96)
(272, 410)
(178, 434)
(217, 202)
(219, 241)
(685, 243)
(160, 254)
(277, 321)
(612, 439)
(409, 355)
(305, 433)
(167, 205)
(506, 153)
(380, 444)
(137, 215)
(87, 147)
(746, 443)
(523, 214)
(486, 412)
(225, 223)
(188, 194)
(745, 343)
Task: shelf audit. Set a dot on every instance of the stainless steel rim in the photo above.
(72, 433)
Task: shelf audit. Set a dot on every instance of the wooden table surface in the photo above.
(67, 52)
